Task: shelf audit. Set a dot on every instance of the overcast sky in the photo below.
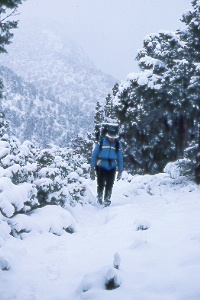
(109, 31)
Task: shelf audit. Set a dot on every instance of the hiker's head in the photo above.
(111, 137)
(112, 132)
(111, 140)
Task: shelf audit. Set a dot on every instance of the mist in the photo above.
(110, 32)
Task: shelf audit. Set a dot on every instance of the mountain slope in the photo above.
(61, 72)
(34, 117)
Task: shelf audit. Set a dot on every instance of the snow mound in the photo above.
(4, 232)
(51, 218)
(4, 264)
(107, 278)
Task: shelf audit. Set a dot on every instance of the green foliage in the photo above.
(99, 115)
(3, 124)
(83, 146)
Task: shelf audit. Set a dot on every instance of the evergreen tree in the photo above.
(192, 42)
(98, 119)
(140, 106)
(3, 124)
(159, 107)
(8, 9)
(115, 89)
(99, 115)
(83, 146)
(170, 48)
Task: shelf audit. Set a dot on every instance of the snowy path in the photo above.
(161, 262)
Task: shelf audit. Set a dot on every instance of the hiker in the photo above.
(106, 158)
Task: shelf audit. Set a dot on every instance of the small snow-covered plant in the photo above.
(16, 198)
(76, 187)
(17, 159)
(4, 264)
(186, 166)
(16, 169)
(113, 280)
(108, 278)
(60, 176)
(3, 122)
(141, 224)
(181, 167)
(45, 158)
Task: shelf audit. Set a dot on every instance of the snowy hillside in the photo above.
(144, 246)
(61, 73)
(34, 117)
(57, 66)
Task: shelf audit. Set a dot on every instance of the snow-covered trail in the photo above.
(152, 223)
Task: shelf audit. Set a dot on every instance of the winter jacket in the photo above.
(107, 157)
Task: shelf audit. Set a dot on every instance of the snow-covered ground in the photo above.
(151, 230)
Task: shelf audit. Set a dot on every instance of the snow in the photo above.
(40, 221)
(144, 246)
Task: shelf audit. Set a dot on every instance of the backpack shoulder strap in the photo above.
(100, 144)
(117, 145)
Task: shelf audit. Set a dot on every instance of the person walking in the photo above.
(107, 158)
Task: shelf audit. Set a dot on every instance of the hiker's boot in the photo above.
(107, 197)
(107, 202)
(100, 199)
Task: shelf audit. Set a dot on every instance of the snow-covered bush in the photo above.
(52, 219)
(17, 159)
(56, 173)
(31, 178)
(181, 167)
(4, 264)
(16, 198)
(60, 176)
(3, 122)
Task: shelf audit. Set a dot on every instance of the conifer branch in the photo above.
(12, 14)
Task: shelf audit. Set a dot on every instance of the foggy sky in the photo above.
(109, 31)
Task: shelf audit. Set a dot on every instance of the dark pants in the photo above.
(197, 174)
(105, 178)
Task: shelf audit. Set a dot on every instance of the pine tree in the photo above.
(8, 9)
(155, 106)
(98, 119)
(99, 115)
(192, 41)
(140, 108)
(3, 124)
(108, 108)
